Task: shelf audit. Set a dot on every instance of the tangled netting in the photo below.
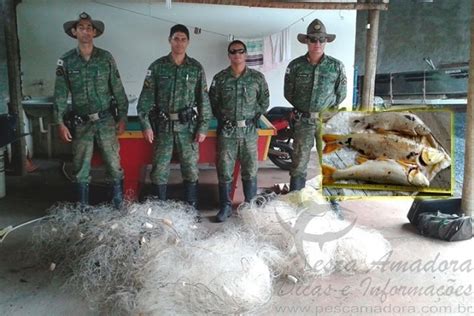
(313, 239)
(227, 273)
(155, 258)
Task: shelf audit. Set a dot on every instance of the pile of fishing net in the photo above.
(314, 241)
(155, 258)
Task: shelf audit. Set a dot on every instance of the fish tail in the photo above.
(331, 143)
(330, 138)
(328, 171)
(360, 159)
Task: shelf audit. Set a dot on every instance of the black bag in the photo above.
(448, 227)
(424, 205)
(7, 129)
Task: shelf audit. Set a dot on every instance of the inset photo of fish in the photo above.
(387, 153)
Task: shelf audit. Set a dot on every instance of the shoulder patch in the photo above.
(148, 73)
(60, 62)
(147, 84)
(288, 70)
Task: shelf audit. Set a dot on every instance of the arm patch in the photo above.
(147, 84)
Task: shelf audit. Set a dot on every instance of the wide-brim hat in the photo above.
(98, 25)
(316, 29)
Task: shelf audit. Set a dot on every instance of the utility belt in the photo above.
(82, 119)
(159, 117)
(229, 125)
(299, 114)
(184, 116)
(72, 120)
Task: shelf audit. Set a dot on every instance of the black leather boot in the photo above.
(297, 183)
(117, 194)
(159, 190)
(225, 204)
(250, 189)
(191, 193)
(82, 194)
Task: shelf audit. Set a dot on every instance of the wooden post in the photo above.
(370, 61)
(467, 202)
(14, 84)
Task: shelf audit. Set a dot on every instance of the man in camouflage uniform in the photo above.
(174, 100)
(239, 96)
(89, 74)
(314, 82)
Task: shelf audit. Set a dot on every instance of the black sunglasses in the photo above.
(237, 51)
(317, 39)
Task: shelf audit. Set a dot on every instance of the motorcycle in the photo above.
(281, 144)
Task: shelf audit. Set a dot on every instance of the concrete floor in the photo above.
(442, 284)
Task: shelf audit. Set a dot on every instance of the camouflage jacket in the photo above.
(315, 88)
(239, 98)
(92, 84)
(173, 88)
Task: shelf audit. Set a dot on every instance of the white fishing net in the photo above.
(226, 273)
(155, 258)
(310, 235)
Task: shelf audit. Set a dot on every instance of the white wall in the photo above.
(136, 34)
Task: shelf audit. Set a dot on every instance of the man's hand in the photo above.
(148, 135)
(64, 133)
(120, 127)
(200, 138)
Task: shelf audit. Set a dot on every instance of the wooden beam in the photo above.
(294, 4)
(14, 84)
(370, 61)
(467, 201)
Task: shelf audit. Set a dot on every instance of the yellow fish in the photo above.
(386, 171)
(401, 122)
(387, 146)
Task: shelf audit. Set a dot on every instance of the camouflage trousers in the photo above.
(188, 153)
(305, 131)
(104, 134)
(229, 149)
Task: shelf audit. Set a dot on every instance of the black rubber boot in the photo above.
(117, 194)
(250, 189)
(297, 183)
(82, 194)
(191, 193)
(159, 191)
(225, 204)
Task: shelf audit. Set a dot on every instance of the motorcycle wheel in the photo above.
(282, 162)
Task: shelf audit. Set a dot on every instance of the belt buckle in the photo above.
(174, 116)
(93, 117)
(241, 123)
